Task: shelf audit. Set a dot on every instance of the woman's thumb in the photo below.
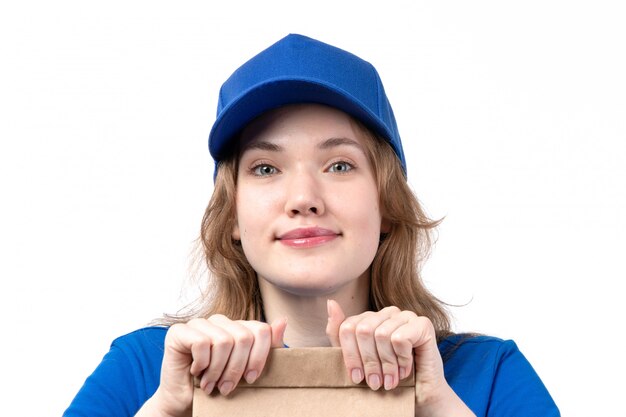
(335, 318)
(278, 327)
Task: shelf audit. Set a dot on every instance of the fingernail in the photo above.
(373, 381)
(251, 376)
(388, 382)
(402, 372)
(226, 387)
(328, 308)
(209, 387)
(357, 376)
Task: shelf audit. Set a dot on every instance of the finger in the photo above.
(419, 336)
(278, 328)
(417, 332)
(350, 347)
(221, 346)
(243, 339)
(336, 316)
(402, 339)
(260, 349)
(396, 360)
(187, 350)
(368, 349)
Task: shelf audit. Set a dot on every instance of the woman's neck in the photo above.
(307, 316)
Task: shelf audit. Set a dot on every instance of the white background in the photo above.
(512, 116)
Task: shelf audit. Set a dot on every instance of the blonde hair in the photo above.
(232, 288)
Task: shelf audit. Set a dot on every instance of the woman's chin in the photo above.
(307, 287)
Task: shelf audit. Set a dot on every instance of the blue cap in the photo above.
(298, 69)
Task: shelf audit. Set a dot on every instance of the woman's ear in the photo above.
(235, 233)
(385, 225)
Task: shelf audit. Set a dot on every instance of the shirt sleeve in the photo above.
(127, 376)
(517, 390)
(494, 379)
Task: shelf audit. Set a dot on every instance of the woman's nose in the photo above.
(304, 196)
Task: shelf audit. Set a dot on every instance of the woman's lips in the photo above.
(307, 237)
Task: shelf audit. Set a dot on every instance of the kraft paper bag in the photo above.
(306, 382)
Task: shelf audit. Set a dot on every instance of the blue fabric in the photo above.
(490, 375)
(298, 69)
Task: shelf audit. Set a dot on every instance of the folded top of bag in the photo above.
(321, 367)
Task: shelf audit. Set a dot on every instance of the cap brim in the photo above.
(277, 93)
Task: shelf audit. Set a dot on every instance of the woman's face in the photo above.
(307, 203)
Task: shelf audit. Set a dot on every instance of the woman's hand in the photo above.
(219, 351)
(383, 346)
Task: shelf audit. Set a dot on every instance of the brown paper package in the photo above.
(306, 382)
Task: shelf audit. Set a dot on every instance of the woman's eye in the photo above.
(264, 170)
(340, 167)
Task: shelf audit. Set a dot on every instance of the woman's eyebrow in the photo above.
(327, 144)
(264, 146)
(333, 142)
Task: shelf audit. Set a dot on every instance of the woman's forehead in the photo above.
(280, 124)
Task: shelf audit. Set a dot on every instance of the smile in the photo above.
(307, 237)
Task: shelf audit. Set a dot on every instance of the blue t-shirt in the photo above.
(490, 375)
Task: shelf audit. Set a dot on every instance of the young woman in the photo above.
(312, 238)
